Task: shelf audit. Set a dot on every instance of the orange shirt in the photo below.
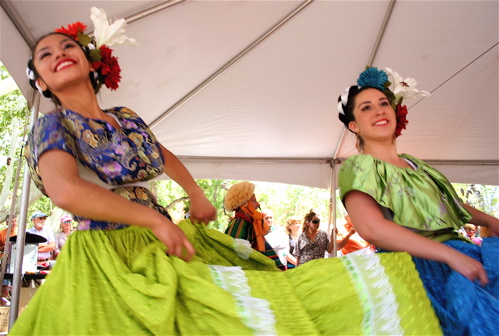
(354, 243)
(3, 237)
(352, 246)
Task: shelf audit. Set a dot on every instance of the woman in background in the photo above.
(313, 243)
(248, 223)
(65, 229)
(293, 229)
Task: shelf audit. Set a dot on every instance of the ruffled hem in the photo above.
(121, 282)
(464, 307)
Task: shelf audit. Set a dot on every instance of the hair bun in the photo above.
(238, 195)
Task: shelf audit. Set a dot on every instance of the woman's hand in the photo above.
(174, 239)
(467, 266)
(202, 211)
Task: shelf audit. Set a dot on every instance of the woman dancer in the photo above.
(125, 271)
(94, 164)
(399, 203)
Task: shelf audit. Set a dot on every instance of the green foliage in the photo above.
(284, 200)
(12, 106)
(42, 204)
(481, 197)
(167, 192)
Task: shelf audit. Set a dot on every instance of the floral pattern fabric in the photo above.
(117, 156)
(421, 199)
(309, 250)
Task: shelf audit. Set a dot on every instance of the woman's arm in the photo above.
(341, 244)
(67, 190)
(480, 218)
(291, 258)
(201, 209)
(297, 250)
(49, 247)
(369, 222)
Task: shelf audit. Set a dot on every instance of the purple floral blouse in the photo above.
(116, 156)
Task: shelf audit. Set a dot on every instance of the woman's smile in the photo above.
(64, 64)
(382, 122)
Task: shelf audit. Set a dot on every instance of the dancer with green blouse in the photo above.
(399, 203)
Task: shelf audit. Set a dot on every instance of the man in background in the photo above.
(44, 249)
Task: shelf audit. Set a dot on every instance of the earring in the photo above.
(95, 74)
(39, 88)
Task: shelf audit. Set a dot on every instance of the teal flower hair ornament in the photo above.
(372, 77)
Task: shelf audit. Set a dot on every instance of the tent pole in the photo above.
(21, 229)
(7, 246)
(227, 65)
(152, 10)
(370, 62)
(18, 22)
(332, 206)
(381, 32)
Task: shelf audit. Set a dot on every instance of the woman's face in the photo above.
(269, 219)
(66, 226)
(374, 116)
(314, 223)
(295, 228)
(60, 62)
(470, 232)
(254, 203)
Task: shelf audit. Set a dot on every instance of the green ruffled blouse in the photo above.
(421, 199)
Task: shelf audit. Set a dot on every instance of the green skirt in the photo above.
(121, 282)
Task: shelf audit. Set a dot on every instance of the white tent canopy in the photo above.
(248, 89)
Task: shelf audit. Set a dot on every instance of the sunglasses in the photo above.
(315, 221)
(67, 222)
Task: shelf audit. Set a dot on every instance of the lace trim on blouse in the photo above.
(255, 313)
(375, 294)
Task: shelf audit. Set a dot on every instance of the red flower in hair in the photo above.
(73, 29)
(401, 114)
(108, 68)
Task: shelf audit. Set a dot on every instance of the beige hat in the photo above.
(238, 195)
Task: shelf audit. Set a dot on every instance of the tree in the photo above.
(285, 200)
(14, 113)
(481, 197)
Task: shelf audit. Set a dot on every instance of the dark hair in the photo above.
(308, 218)
(8, 216)
(31, 66)
(348, 115)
